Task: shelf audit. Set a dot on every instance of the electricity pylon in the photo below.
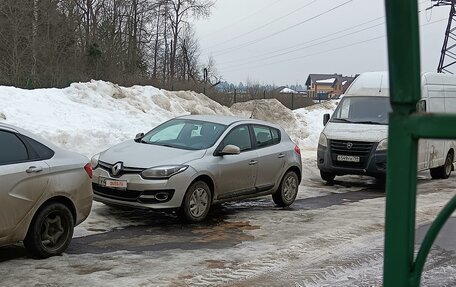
(448, 53)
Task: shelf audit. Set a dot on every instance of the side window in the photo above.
(275, 136)
(12, 149)
(38, 151)
(263, 136)
(240, 137)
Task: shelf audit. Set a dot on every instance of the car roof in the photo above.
(226, 120)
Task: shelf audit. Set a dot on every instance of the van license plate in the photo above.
(119, 184)
(348, 158)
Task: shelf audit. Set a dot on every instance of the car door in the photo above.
(23, 180)
(236, 174)
(271, 156)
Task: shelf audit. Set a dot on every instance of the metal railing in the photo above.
(406, 127)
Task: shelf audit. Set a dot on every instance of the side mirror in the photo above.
(326, 118)
(230, 150)
(138, 137)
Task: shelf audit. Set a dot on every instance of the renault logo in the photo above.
(349, 145)
(117, 168)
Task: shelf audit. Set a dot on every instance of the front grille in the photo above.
(361, 149)
(124, 170)
(126, 195)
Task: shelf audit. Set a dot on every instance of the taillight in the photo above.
(297, 150)
(88, 169)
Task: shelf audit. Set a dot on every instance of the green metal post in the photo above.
(404, 67)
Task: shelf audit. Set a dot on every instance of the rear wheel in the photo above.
(327, 176)
(287, 191)
(444, 171)
(51, 231)
(196, 204)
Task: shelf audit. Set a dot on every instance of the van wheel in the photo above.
(444, 171)
(287, 191)
(196, 204)
(51, 231)
(327, 176)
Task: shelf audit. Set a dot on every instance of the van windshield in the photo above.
(362, 110)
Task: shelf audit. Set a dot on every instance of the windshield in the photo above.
(185, 134)
(363, 110)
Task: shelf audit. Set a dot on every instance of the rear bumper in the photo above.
(375, 164)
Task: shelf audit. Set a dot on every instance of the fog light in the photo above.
(162, 196)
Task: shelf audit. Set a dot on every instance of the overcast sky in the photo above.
(282, 41)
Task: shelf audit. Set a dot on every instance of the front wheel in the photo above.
(287, 191)
(196, 203)
(51, 231)
(444, 171)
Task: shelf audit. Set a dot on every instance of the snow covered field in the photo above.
(329, 245)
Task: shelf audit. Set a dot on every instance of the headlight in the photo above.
(94, 160)
(323, 141)
(383, 145)
(163, 172)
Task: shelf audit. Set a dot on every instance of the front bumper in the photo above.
(142, 193)
(374, 165)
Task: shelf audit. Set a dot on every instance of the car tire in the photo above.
(50, 231)
(327, 176)
(196, 204)
(444, 171)
(287, 191)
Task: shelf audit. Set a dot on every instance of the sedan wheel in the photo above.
(287, 191)
(51, 231)
(196, 203)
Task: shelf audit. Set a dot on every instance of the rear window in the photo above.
(266, 136)
(12, 149)
(37, 151)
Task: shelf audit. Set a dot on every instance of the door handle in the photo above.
(253, 162)
(281, 155)
(33, 169)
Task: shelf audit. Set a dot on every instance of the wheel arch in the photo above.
(296, 170)
(63, 200)
(208, 180)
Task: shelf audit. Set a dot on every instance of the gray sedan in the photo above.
(188, 163)
(45, 191)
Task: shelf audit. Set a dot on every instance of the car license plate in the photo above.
(111, 183)
(348, 158)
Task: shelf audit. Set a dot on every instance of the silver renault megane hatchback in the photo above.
(189, 163)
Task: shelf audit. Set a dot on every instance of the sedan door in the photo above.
(236, 174)
(23, 181)
(271, 156)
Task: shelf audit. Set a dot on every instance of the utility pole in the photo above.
(448, 53)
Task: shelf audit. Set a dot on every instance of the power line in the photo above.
(330, 50)
(264, 25)
(304, 46)
(244, 18)
(228, 50)
(274, 54)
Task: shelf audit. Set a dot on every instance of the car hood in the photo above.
(141, 155)
(356, 132)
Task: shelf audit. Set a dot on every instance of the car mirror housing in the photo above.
(138, 137)
(230, 150)
(326, 118)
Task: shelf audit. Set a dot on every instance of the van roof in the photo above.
(377, 83)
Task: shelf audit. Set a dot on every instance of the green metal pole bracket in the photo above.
(429, 239)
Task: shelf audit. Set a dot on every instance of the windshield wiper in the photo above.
(342, 120)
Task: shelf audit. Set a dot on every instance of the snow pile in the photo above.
(273, 111)
(90, 117)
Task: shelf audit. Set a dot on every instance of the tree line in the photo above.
(52, 43)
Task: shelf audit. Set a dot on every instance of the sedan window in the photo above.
(12, 149)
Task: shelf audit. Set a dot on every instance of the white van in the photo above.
(355, 138)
